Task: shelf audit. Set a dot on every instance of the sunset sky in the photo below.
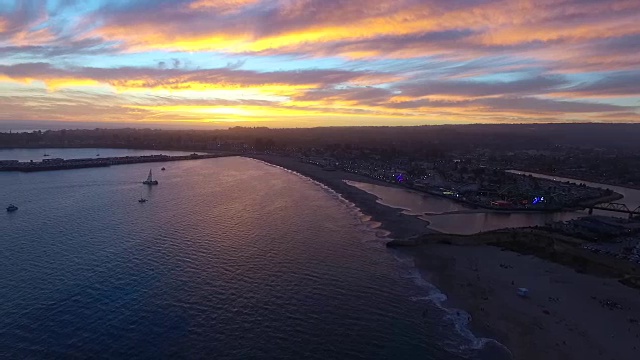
(303, 63)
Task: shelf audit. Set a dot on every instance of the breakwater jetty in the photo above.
(62, 164)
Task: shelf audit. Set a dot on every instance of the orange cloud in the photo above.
(455, 61)
(282, 83)
(32, 38)
(358, 30)
(235, 5)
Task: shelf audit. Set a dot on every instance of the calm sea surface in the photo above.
(229, 259)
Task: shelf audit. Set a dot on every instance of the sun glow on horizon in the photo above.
(315, 63)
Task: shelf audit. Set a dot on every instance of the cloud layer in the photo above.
(320, 62)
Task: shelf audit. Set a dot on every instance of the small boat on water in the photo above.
(45, 154)
(12, 208)
(142, 200)
(150, 180)
(163, 169)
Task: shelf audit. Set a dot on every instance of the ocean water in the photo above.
(230, 258)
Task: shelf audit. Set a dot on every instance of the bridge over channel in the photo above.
(616, 207)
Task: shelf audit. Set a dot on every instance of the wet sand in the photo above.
(562, 318)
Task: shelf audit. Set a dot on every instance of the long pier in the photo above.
(62, 164)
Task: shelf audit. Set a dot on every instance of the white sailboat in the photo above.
(150, 180)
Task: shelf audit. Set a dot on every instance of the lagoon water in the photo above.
(230, 258)
(451, 217)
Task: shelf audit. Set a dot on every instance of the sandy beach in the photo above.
(566, 315)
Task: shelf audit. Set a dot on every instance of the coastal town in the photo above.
(478, 178)
(503, 268)
(599, 153)
(320, 179)
(480, 186)
(498, 190)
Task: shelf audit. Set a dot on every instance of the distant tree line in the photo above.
(420, 141)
